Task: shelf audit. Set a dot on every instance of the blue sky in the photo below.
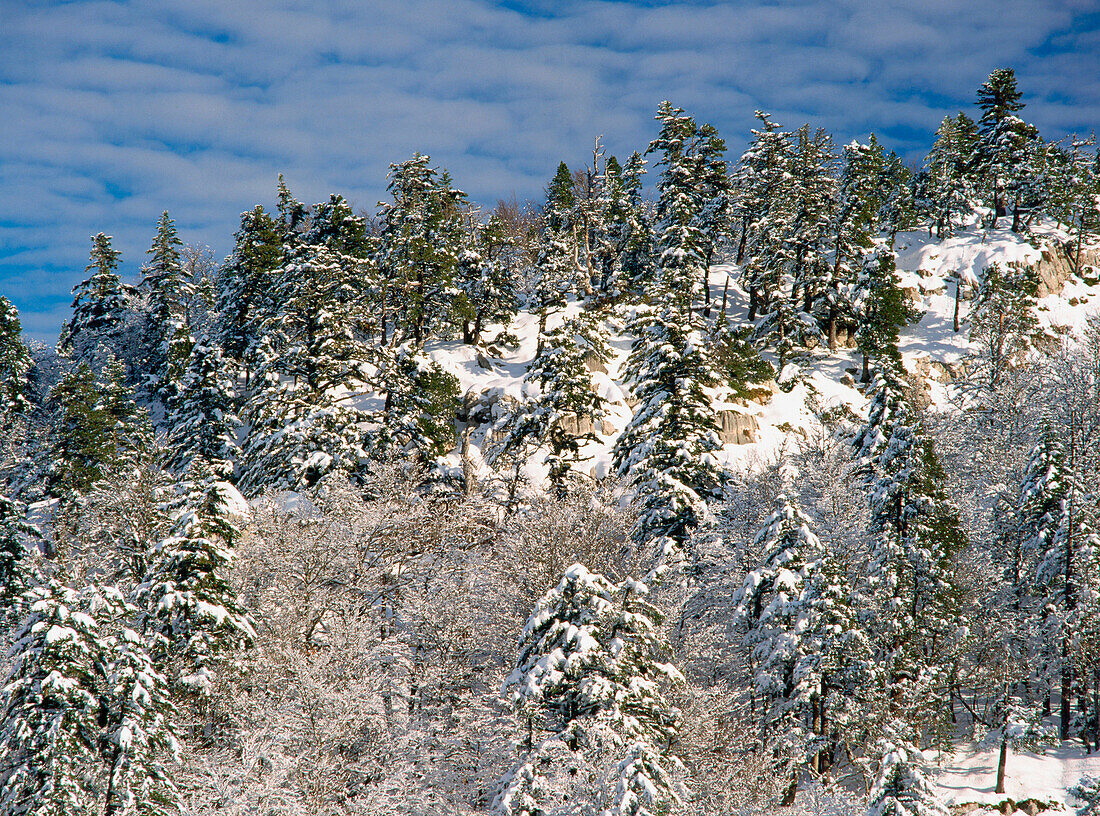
(111, 112)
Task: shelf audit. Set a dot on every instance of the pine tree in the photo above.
(1063, 547)
(167, 286)
(1002, 141)
(139, 734)
(302, 422)
(591, 673)
(1003, 322)
(420, 248)
(486, 281)
(420, 406)
(882, 309)
(101, 304)
(50, 732)
(15, 364)
(635, 235)
(566, 397)
(772, 606)
(915, 534)
(17, 570)
(763, 181)
(245, 298)
(96, 428)
(202, 423)
(681, 241)
(902, 788)
(950, 186)
(186, 599)
(667, 450)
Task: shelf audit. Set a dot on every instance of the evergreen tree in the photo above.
(591, 673)
(1002, 141)
(420, 248)
(246, 283)
(139, 734)
(101, 304)
(882, 309)
(667, 450)
(17, 572)
(566, 397)
(772, 606)
(681, 241)
(1063, 547)
(902, 788)
(1003, 322)
(15, 364)
(764, 179)
(167, 287)
(96, 428)
(950, 186)
(915, 534)
(186, 599)
(201, 420)
(420, 406)
(50, 731)
(486, 281)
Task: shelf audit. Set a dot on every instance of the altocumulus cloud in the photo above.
(111, 112)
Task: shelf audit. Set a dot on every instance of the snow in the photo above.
(968, 776)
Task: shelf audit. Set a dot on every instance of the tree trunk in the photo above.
(753, 304)
(832, 327)
(1001, 762)
(866, 369)
(955, 320)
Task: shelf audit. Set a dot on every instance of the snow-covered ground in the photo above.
(968, 775)
(928, 269)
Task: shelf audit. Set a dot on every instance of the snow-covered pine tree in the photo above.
(635, 261)
(902, 789)
(667, 450)
(301, 419)
(950, 185)
(881, 307)
(186, 598)
(15, 363)
(566, 398)
(140, 734)
(486, 281)
(589, 686)
(554, 272)
(245, 289)
(914, 536)
(50, 734)
(771, 610)
(201, 420)
(101, 307)
(1063, 546)
(763, 180)
(17, 571)
(96, 427)
(167, 287)
(421, 400)
(419, 249)
(816, 192)
(681, 241)
(1003, 323)
(1000, 137)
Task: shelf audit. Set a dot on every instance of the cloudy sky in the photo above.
(111, 112)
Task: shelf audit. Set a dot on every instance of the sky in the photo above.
(111, 112)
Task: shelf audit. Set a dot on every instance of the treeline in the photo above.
(729, 634)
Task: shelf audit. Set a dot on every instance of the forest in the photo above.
(266, 547)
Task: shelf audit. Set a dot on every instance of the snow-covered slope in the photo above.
(929, 270)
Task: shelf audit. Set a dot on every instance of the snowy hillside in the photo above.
(929, 271)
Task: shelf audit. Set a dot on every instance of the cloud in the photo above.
(114, 111)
